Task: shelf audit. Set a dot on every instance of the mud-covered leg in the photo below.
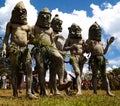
(94, 67)
(59, 68)
(94, 81)
(29, 83)
(28, 70)
(14, 82)
(53, 81)
(57, 65)
(42, 81)
(41, 73)
(105, 81)
(77, 73)
(78, 82)
(14, 69)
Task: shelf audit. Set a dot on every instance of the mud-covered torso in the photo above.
(96, 48)
(19, 34)
(45, 35)
(79, 45)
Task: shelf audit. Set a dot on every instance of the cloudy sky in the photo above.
(81, 12)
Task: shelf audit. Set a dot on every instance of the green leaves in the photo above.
(40, 41)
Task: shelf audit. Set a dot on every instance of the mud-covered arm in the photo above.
(109, 41)
(84, 46)
(5, 40)
(87, 46)
(58, 36)
(67, 47)
(31, 35)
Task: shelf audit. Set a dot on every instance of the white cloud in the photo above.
(79, 17)
(5, 13)
(115, 61)
(107, 5)
(109, 20)
(108, 17)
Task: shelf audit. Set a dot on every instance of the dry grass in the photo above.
(87, 99)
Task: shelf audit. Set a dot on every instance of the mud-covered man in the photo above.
(75, 44)
(45, 51)
(97, 61)
(56, 25)
(18, 31)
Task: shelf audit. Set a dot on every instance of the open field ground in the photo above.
(87, 99)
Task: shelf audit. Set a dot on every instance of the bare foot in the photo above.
(64, 85)
(31, 96)
(110, 94)
(78, 94)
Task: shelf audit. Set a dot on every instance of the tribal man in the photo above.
(75, 44)
(45, 52)
(97, 61)
(20, 59)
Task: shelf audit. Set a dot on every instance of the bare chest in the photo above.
(75, 41)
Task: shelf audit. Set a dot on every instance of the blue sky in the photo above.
(81, 12)
(69, 5)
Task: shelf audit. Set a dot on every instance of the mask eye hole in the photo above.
(24, 11)
(20, 10)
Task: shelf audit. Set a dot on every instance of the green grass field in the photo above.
(87, 99)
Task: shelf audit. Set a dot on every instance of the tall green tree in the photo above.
(116, 71)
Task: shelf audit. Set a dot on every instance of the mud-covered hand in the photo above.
(108, 44)
(73, 47)
(3, 53)
(110, 40)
